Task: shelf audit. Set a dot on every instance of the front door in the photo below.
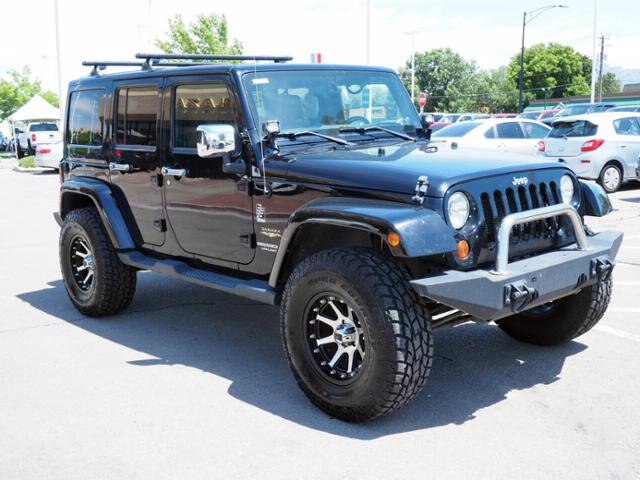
(210, 211)
(135, 160)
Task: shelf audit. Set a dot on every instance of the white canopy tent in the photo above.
(36, 109)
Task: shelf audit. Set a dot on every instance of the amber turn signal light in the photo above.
(463, 249)
(394, 239)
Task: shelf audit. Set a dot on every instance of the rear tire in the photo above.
(97, 282)
(333, 289)
(563, 320)
(610, 178)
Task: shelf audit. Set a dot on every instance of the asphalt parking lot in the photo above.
(192, 383)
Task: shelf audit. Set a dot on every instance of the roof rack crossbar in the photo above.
(189, 56)
(97, 66)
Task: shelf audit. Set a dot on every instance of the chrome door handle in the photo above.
(120, 167)
(176, 172)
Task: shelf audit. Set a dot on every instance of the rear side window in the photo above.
(533, 130)
(627, 126)
(198, 105)
(136, 116)
(509, 130)
(456, 130)
(85, 124)
(579, 128)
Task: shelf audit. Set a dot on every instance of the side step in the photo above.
(258, 290)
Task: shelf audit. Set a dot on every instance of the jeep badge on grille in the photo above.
(520, 181)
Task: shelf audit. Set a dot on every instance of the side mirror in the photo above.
(215, 140)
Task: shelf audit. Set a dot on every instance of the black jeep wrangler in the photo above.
(315, 188)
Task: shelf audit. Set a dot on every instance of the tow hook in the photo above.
(601, 267)
(519, 295)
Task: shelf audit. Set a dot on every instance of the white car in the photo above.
(37, 133)
(603, 147)
(514, 135)
(49, 155)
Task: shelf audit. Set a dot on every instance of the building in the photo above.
(630, 95)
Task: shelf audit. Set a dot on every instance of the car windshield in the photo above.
(326, 101)
(456, 130)
(577, 110)
(529, 115)
(579, 128)
(44, 127)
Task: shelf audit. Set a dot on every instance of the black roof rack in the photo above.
(189, 56)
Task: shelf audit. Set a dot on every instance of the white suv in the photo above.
(603, 147)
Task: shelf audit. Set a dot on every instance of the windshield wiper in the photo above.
(363, 130)
(294, 135)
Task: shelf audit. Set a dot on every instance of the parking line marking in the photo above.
(618, 333)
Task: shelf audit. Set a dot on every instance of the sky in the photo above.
(487, 31)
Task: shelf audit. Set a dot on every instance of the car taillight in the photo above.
(33, 137)
(541, 146)
(591, 145)
(44, 150)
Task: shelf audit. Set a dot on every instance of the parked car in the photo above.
(431, 117)
(366, 237)
(503, 115)
(466, 117)
(49, 155)
(508, 135)
(450, 118)
(603, 147)
(36, 133)
(3, 142)
(539, 115)
(626, 108)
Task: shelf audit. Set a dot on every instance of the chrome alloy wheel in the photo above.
(82, 263)
(336, 339)
(611, 178)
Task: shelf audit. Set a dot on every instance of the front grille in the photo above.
(497, 204)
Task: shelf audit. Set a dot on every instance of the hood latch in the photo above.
(422, 185)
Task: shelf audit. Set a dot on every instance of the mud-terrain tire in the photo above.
(563, 320)
(85, 247)
(394, 330)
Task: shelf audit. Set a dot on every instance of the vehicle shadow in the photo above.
(475, 366)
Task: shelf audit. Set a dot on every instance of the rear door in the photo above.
(210, 211)
(534, 133)
(628, 135)
(135, 160)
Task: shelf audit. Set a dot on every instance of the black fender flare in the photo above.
(101, 195)
(422, 231)
(595, 200)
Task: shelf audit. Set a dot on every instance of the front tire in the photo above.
(361, 302)
(97, 282)
(562, 320)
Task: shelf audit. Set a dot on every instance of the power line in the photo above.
(488, 94)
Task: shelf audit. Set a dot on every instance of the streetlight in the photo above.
(533, 14)
(413, 63)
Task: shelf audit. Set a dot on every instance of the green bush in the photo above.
(27, 162)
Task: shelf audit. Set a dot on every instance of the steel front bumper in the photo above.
(518, 286)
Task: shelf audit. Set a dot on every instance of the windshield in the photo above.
(577, 110)
(529, 115)
(326, 100)
(456, 130)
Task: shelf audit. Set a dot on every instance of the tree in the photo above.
(18, 88)
(610, 84)
(207, 35)
(558, 68)
(440, 72)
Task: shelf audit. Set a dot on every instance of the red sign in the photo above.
(422, 99)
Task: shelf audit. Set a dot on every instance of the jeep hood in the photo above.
(396, 168)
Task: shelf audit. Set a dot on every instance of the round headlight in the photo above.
(458, 210)
(566, 189)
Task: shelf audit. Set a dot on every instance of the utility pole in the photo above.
(602, 38)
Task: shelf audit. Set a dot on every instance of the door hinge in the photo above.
(422, 185)
(156, 179)
(251, 188)
(160, 225)
(248, 240)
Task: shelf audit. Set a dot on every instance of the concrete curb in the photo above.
(18, 168)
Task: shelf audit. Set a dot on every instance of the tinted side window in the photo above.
(533, 130)
(85, 118)
(627, 126)
(490, 133)
(136, 116)
(198, 105)
(509, 130)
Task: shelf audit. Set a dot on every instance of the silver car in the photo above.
(49, 155)
(603, 147)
